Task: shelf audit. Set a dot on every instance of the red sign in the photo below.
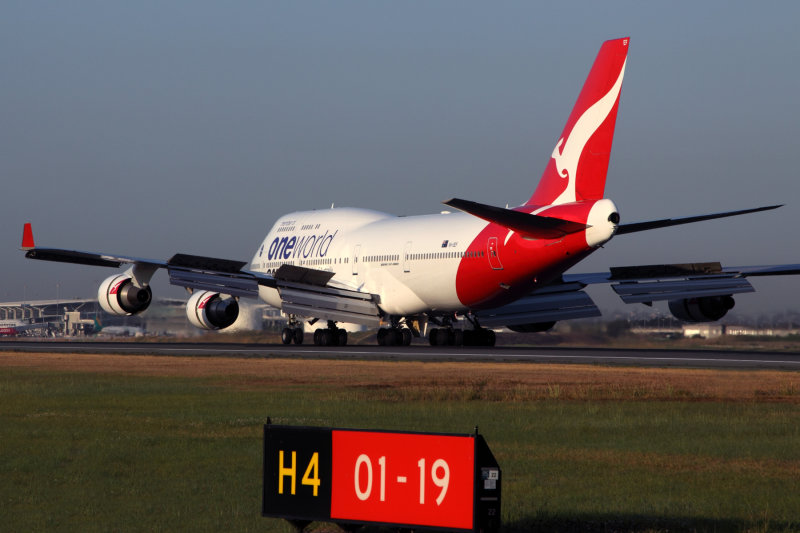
(403, 478)
(419, 480)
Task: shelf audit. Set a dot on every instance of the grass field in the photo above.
(132, 443)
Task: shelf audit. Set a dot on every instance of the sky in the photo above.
(150, 128)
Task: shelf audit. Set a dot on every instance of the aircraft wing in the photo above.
(303, 291)
(565, 298)
(86, 258)
(191, 271)
(649, 283)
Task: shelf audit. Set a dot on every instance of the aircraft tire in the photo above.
(342, 337)
(297, 335)
(286, 336)
(406, 336)
(382, 332)
(432, 336)
(443, 337)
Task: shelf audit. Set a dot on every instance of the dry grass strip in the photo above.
(442, 380)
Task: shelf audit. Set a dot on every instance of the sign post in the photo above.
(420, 480)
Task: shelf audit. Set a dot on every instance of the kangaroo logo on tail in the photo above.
(566, 160)
(579, 162)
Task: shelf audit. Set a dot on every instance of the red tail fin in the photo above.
(579, 162)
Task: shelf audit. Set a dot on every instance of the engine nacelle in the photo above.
(532, 328)
(706, 309)
(119, 296)
(208, 310)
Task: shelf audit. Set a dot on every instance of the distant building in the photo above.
(761, 332)
(705, 330)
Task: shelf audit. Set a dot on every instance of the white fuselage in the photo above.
(442, 263)
(409, 262)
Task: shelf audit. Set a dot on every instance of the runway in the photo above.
(498, 354)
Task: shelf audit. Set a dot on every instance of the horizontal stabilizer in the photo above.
(534, 226)
(667, 222)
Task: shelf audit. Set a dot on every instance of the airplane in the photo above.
(124, 331)
(12, 328)
(482, 266)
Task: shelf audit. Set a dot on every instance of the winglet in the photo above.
(27, 237)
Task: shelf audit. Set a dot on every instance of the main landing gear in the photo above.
(461, 337)
(450, 336)
(330, 336)
(293, 333)
(394, 336)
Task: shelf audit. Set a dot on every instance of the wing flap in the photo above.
(329, 303)
(664, 271)
(241, 284)
(201, 262)
(650, 283)
(647, 292)
(297, 274)
(561, 302)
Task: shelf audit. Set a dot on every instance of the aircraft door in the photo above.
(356, 253)
(492, 251)
(407, 257)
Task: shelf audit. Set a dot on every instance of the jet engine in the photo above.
(532, 328)
(119, 296)
(209, 310)
(705, 309)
